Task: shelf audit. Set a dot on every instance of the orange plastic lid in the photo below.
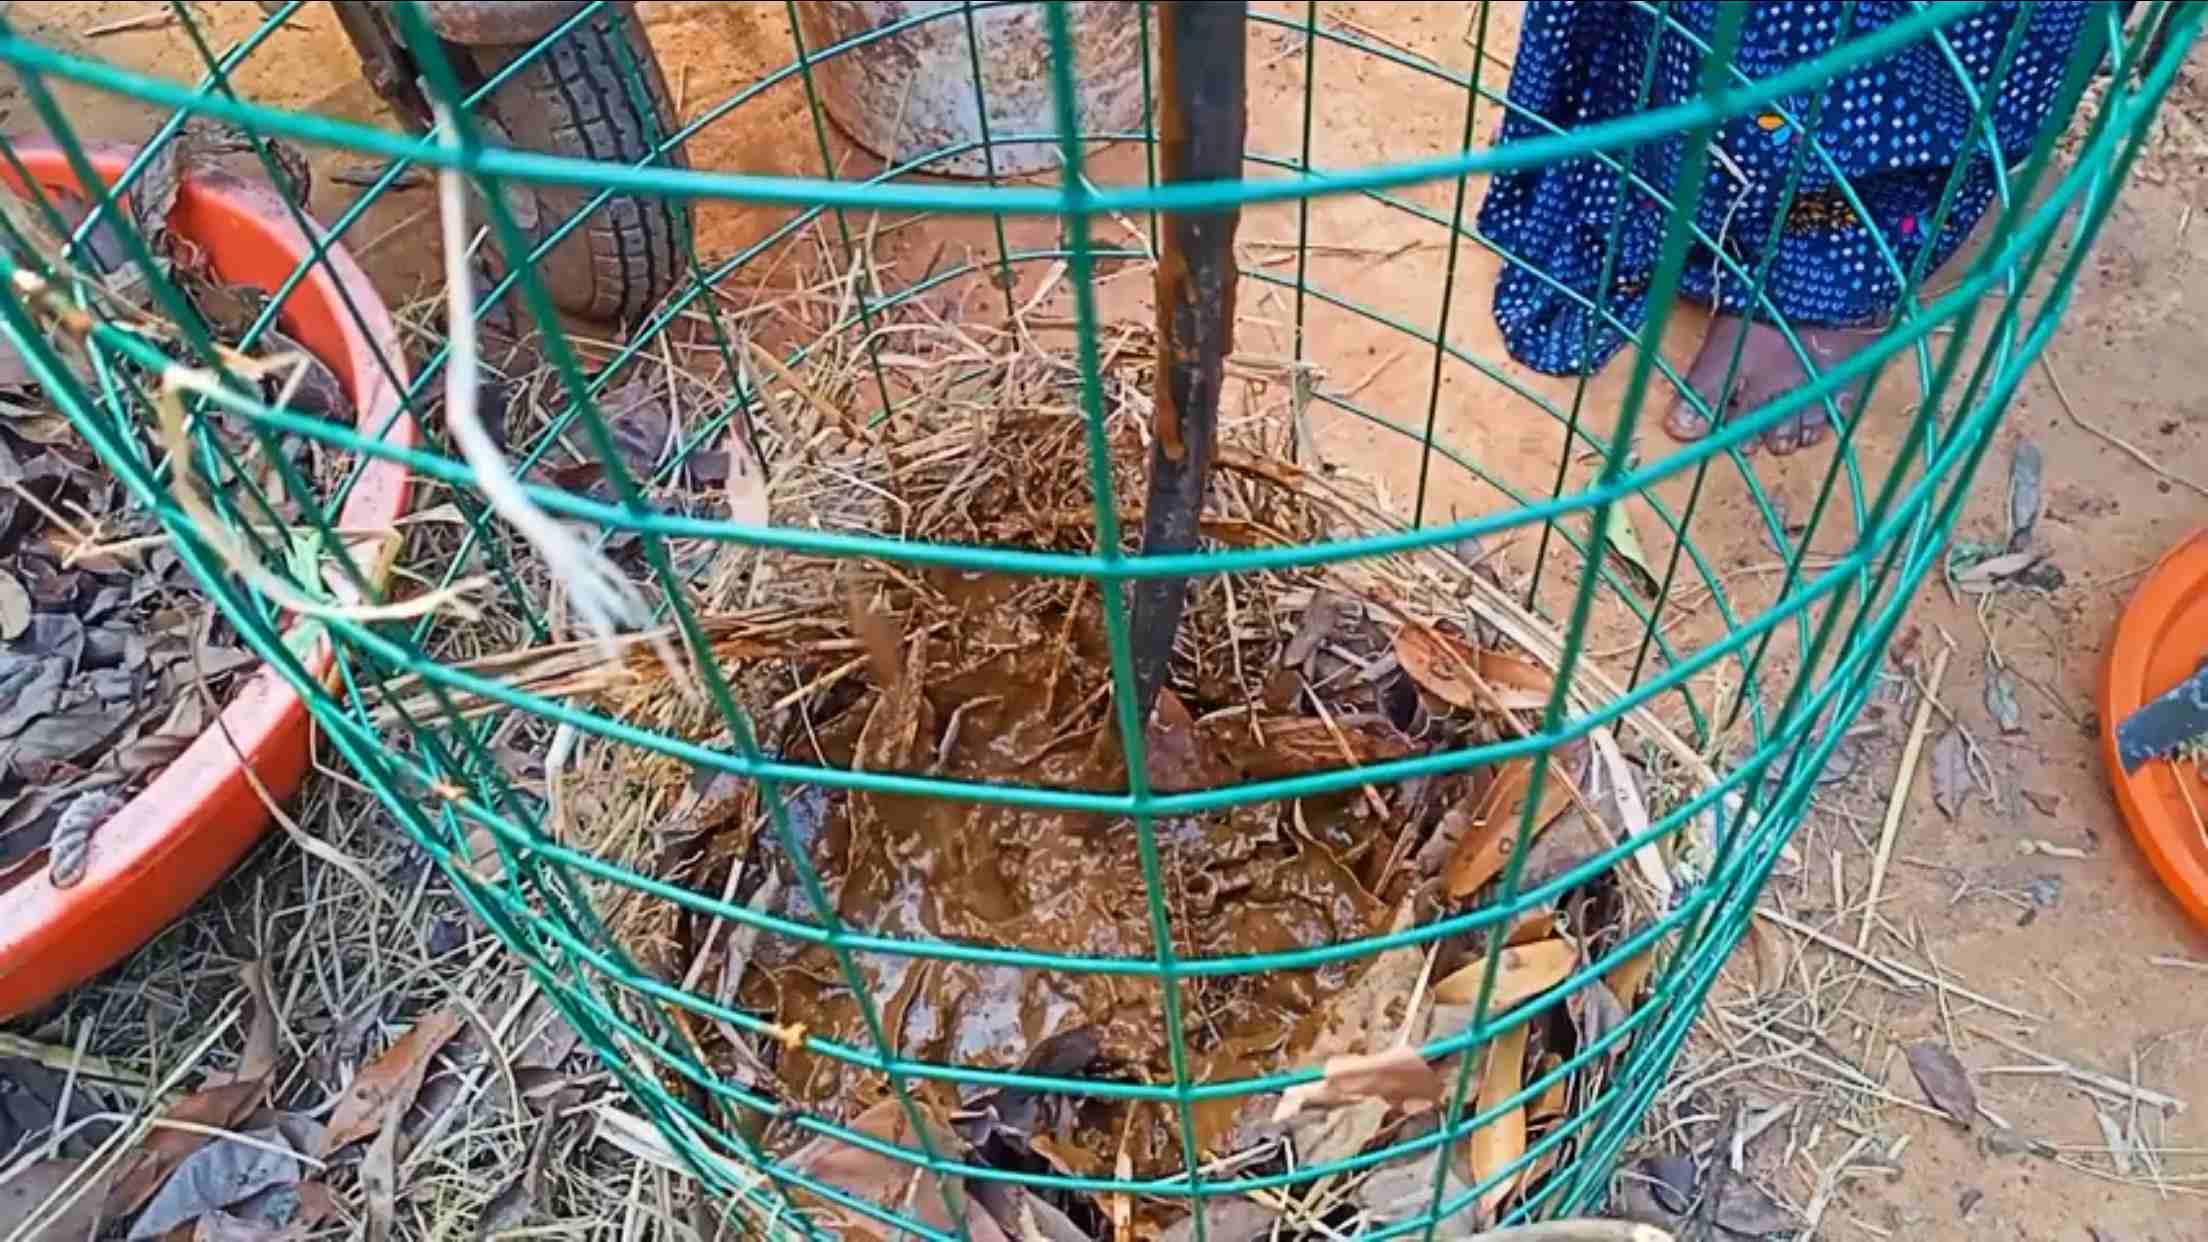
(2160, 640)
(186, 829)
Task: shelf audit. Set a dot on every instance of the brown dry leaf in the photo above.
(27, 1192)
(1524, 972)
(1373, 1008)
(258, 1063)
(1450, 670)
(1950, 772)
(1944, 1080)
(889, 1183)
(391, 1081)
(1535, 924)
(883, 636)
(1502, 1140)
(1174, 751)
(1554, 1098)
(379, 1173)
(1400, 1076)
(1626, 978)
(1294, 745)
(143, 1172)
(890, 739)
(1484, 841)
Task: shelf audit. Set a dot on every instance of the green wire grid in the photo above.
(444, 783)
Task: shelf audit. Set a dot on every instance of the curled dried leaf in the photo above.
(390, 1082)
(1944, 1081)
(1399, 1076)
(1499, 1143)
(1487, 827)
(1453, 671)
(1524, 972)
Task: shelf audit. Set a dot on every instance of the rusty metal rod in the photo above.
(1202, 114)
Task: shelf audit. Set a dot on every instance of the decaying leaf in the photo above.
(1523, 973)
(1294, 745)
(1748, 1210)
(30, 1193)
(2025, 469)
(1502, 1141)
(1175, 752)
(144, 1170)
(258, 1062)
(1405, 1187)
(1451, 670)
(1596, 1011)
(1369, 1013)
(1555, 1098)
(1337, 1133)
(1625, 544)
(1489, 822)
(2001, 702)
(391, 1081)
(1228, 1220)
(893, 1185)
(1950, 772)
(1944, 1080)
(1626, 979)
(15, 607)
(1399, 1076)
(216, 1176)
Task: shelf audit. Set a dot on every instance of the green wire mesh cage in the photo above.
(826, 812)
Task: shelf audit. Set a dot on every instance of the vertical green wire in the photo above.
(1448, 279)
(1006, 281)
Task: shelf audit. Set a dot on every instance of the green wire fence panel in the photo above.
(766, 662)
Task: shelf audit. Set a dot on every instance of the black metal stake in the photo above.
(1201, 118)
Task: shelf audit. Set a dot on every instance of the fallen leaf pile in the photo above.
(229, 1162)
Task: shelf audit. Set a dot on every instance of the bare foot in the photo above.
(1768, 370)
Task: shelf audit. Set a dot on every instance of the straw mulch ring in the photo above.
(1006, 680)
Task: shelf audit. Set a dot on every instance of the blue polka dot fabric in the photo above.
(1894, 127)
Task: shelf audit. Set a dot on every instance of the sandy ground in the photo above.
(2130, 357)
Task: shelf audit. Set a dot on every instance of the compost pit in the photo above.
(1004, 693)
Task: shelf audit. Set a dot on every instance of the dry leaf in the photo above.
(379, 1173)
(391, 1081)
(1503, 1140)
(164, 1148)
(1369, 1013)
(1451, 670)
(1994, 568)
(1538, 923)
(883, 636)
(258, 1063)
(1484, 841)
(1229, 1220)
(1944, 1080)
(1174, 752)
(1633, 819)
(1554, 1098)
(15, 607)
(1337, 1133)
(1950, 772)
(26, 1193)
(1626, 979)
(892, 1184)
(1747, 1209)
(2001, 701)
(1399, 1076)
(2025, 470)
(216, 1176)
(1524, 972)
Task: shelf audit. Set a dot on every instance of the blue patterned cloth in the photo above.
(1895, 127)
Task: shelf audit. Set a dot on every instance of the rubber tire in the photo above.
(573, 100)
